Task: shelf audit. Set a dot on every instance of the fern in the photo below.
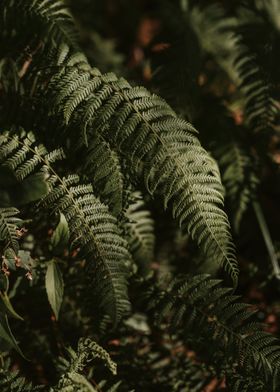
(9, 223)
(50, 19)
(72, 378)
(162, 148)
(271, 8)
(166, 152)
(199, 305)
(140, 227)
(91, 226)
(110, 139)
(261, 109)
(10, 381)
(239, 177)
(212, 24)
(246, 384)
(103, 167)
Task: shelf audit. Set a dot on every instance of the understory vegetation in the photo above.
(139, 197)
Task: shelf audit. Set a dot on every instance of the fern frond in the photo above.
(9, 224)
(163, 148)
(261, 109)
(237, 383)
(216, 32)
(271, 8)
(140, 227)
(72, 368)
(239, 177)
(95, 230)
(50, 19)
(103, 168)
(219, 35)
(92, 228)
(11, 381)
(200, 306)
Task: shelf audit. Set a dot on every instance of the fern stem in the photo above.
(267, 238)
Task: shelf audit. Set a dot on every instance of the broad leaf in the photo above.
(54, 286)
(60, 236)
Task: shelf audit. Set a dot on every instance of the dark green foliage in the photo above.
(72, 378)
(8, 228)
(50, 20)
(10, 381)
(114, 195)
(91, 226)
(165, 153)
(201, 303)
(140, 226)
(239, 175)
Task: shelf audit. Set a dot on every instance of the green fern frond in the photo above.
(271, 8)
(9, 225)
(10, 381)
(72, 368)
(261, 109)
(95, 231)
(140, 227)
(163, 148)
(199, 305)
(216, 32)
(92, 228)
(237, 383)
(239, 177)
(103, 168)
(88, 350)
(50, 19)
(219, 35)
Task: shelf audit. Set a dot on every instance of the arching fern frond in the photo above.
(219, 34)
(261, 109)
(92, 228)
(50, 19)
(210, 23)
(140, 227)
(103, 168)
(201, 307)
(95, 231)
(239, 177)
(163, 149)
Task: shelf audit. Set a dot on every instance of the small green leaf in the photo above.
(6, 333)
(54, 286)
(60, 236)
